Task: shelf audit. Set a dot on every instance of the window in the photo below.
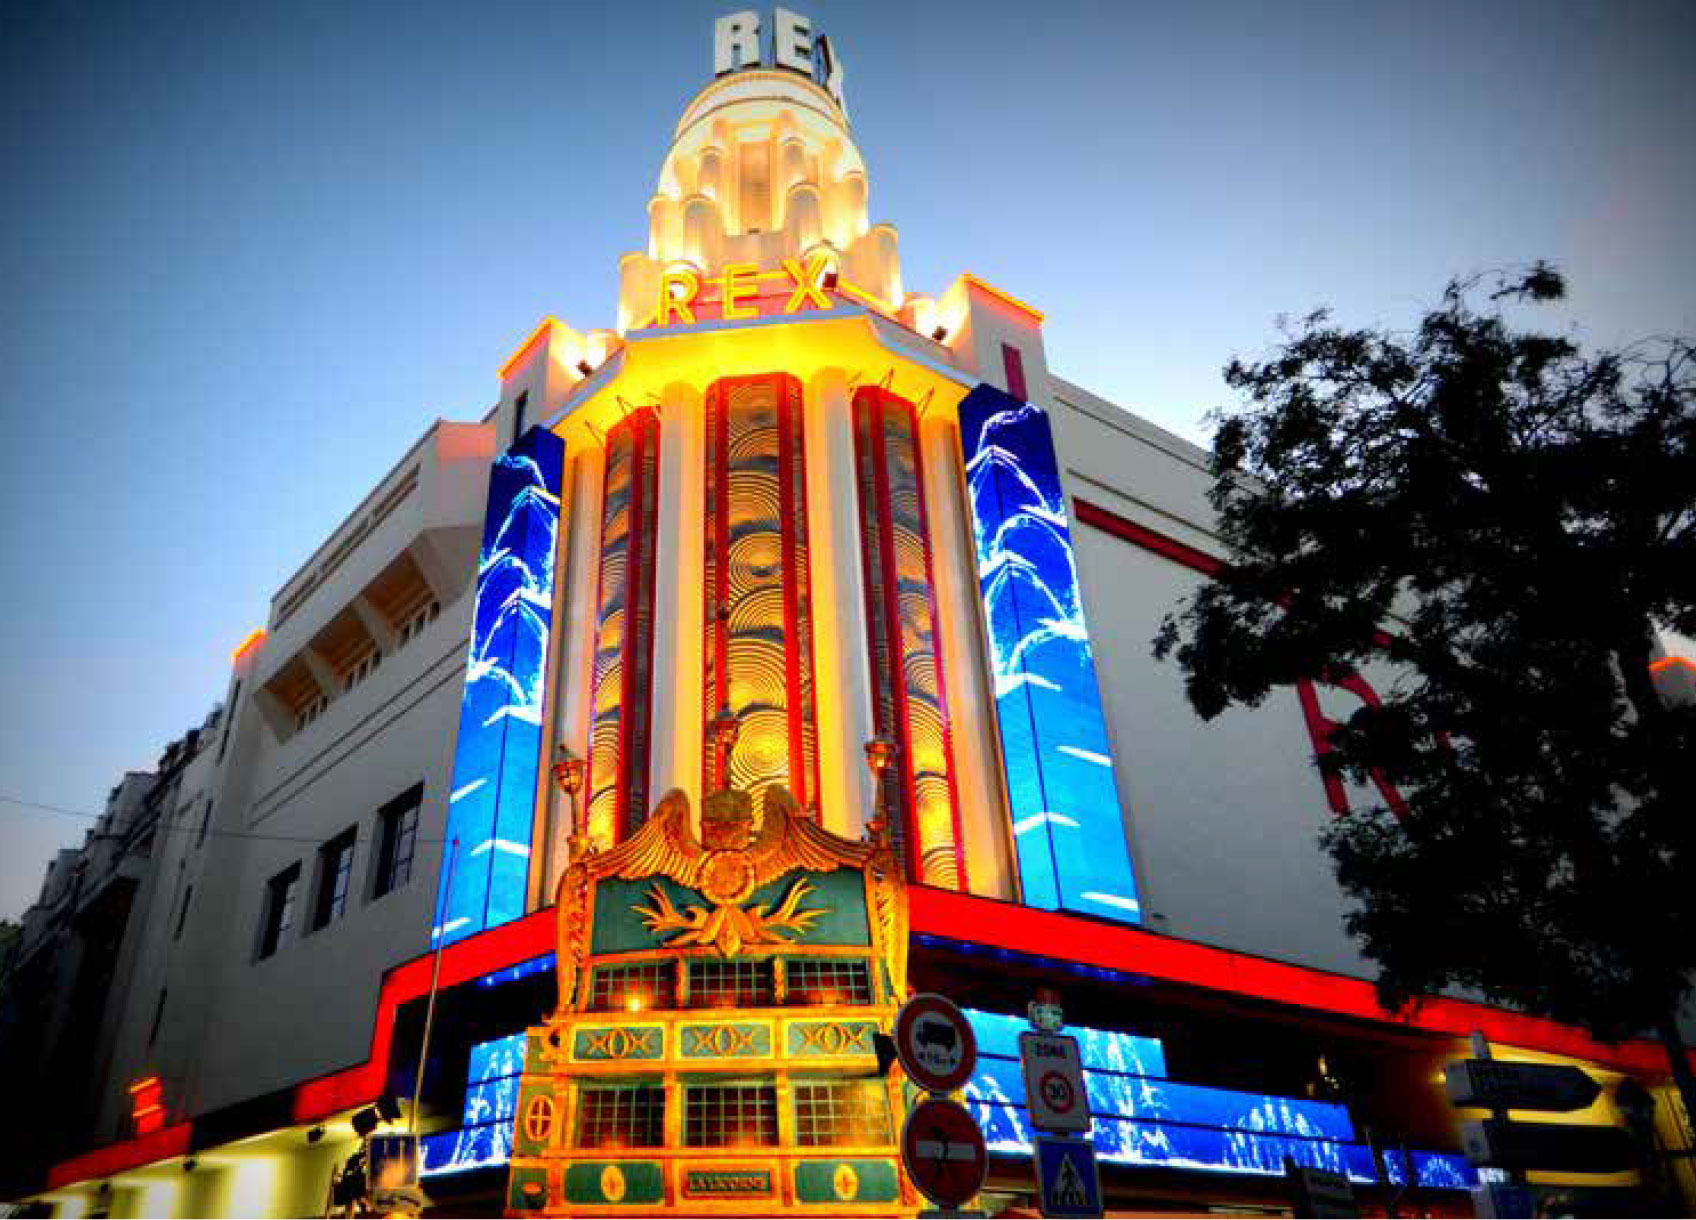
(205, 823)
(730, 1116)
(627, 988)
(363, 668)
(335, 866)
(279, 909)
(415, 622)
(1013, 363)
(841, 1113)
(182, 913)
(158, 1018)
(313, 709)
(519, 405)
(814, 980)
(397, 836)
(731, 984)
(626, 1116)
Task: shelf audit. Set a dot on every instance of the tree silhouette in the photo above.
(1504, 522)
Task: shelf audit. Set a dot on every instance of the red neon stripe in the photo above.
(985, 921)
(1149, 540)
(116, 1158)
(791, 611)
(721, 576)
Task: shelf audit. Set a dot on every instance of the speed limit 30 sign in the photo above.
(1054, 1082)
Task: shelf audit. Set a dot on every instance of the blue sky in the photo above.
(250, 252)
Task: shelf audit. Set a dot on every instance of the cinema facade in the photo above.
(772, 654)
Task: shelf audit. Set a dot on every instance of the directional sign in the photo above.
(1054, 1082)
(944, 1152)
(935, 1043)
(1570, 1149)
(1497, 1084)
(1319, 1192)
(1068, 1176)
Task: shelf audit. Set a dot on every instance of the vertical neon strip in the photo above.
(906, 670)
(1068, 830)
(491, 806)
(758, 656)
(624, 632)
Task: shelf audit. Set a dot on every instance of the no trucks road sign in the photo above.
(935, 1043)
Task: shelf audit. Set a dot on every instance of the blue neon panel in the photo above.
(492, 803)
(1067, 826)
(1106, 1049)
(496, 1058)
(1142, 1119)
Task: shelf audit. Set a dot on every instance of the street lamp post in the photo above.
(569, 773)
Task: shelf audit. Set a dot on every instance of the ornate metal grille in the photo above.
(640, 986)
(739, 983)
(826, 981)
(627, 1116)
(731, 1116)
(841, 1113)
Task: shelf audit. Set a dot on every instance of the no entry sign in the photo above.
(935, 1043)
(944, 1152)
(1054, 1082)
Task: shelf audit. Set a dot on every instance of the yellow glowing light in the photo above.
(1005, 298)
(809, 282)
(254, 639)
(677, 290)
(530, 342)
(741, 282)
(633, 1003)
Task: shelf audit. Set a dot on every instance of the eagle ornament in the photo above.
(732, 860)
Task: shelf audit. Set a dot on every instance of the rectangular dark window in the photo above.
(730, 1116)
(519, 406)
(158, 1018)
(823, 980)
(1013, 364)
(182, 913)
(335, 866)
(279, 909)
(627, 1116)
(737, 983)
(205, 823)
(841, 1113)
(397, 837)
(636, 987)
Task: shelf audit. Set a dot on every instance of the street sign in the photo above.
(935, 1043)
(1319, 1192)
(1054, 1082)
(944, 1152)
(1503, 1201)
(1496, 1084)
(1569, 1149)
(1068, 1177)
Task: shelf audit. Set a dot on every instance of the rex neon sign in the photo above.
(742, 290)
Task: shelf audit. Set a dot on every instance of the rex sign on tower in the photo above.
(738, 43)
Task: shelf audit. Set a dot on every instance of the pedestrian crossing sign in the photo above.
(1068, 1178)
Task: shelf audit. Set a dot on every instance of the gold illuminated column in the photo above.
(845, 707)
(574, 639)
(678, 711)
(620, 727)
(910, 702)
(756, 599)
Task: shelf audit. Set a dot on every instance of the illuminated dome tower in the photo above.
(762, 168)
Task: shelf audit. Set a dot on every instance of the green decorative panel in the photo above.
(617, 1182)
(601, 1043)
(830, 1038)
(729, 1040)
(527, 1188)
(840, 895)
(847, 1182)
(537, 1118)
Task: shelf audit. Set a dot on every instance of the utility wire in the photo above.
(163, 824)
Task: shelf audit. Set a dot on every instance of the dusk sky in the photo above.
(251, 252)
